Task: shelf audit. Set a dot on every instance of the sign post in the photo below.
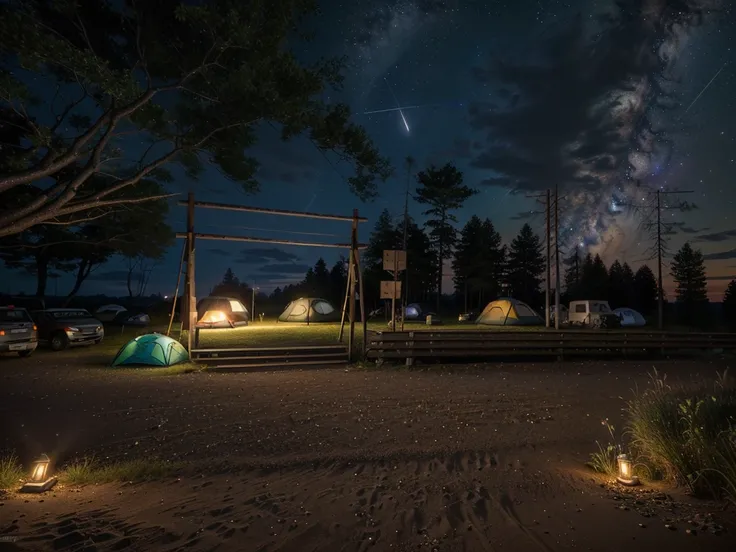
(394, 261)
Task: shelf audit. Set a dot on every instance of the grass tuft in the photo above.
(90, 472)
(11, 472)
(605, 460)
(687, 434)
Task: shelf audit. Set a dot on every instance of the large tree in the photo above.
(645, 290)
(594, 278)
(128, 88)
(478, 262)
(688, 271)
(525, 266)
(573, 272)
(442, 189)
(617, 286)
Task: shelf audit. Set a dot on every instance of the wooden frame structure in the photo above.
(355, 273)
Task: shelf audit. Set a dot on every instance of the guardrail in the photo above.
(265, 358)
(476, 344)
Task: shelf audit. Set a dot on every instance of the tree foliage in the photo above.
(127, 89)
(688, 271)
(442, 189)
(729, 304)
(525, 267)
(645, 290)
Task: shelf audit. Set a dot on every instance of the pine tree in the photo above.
(729, 304)
(338, 281)
(594, 278)
(616, 286)
(443, 190)
(321, 278)
(688, 271)
(230, 286)
(645, 290)
(420, 261)
(466, 264)
(493, 264)
(627, 277)
(573, 275)
(525, 267)
(385, 236)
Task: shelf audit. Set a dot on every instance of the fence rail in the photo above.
(266, 358)
(425, 344)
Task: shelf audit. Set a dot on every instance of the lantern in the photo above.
(213, 317)
(626, 471)
(40, 481)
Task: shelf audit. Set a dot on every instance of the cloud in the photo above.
(524, 215)
(721, 255)
(722, 236)
(586, 116)
(261, 255)
(284, 268)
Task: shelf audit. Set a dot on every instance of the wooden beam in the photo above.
(220, 237)
(245, 208)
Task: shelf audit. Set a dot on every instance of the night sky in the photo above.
(454, 59)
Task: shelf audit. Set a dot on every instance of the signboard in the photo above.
(394, 259)
(390, 289)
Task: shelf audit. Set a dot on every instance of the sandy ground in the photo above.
(335, 459)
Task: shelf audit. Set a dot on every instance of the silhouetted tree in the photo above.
(688, 271)
(478, 263)
(627, 277)
(385, 235)
(230, 286)
(338, 282)
(573, 273)
(321, 278)
(594, 278)
(443, 190)
(223, 68)
(645, 290)
(616, 286)
(729, 304)
(525, 267)
(421, 263)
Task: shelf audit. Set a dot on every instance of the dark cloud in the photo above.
(722, 236)
(114, 276)
(721, 255)
(284, 268)
(265, 255)
(574, 117)
(524, 215)
(280, 278)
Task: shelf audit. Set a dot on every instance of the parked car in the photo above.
(596, 314)
(60, 328)
(18, 333)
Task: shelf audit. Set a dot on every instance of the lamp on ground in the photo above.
(213, 317)
(626, 471)
(40, 481)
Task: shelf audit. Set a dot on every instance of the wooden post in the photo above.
(347, 294)
(557, 257)
(351, 289)
(359, 275)
(393, 294)
(176, 291)
(191, 301)
(549, 268)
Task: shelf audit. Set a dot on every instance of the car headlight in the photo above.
(71, 329)
(99, 329)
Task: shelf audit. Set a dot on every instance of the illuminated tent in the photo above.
(310, 309)
(414, 311)
(508, 312)
(151, 350)
(629, 317)
(221, 312)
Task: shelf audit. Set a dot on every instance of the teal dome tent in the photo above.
(151, 350)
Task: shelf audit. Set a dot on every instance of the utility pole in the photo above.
(660, 251)
(557, 257)
(405, 295)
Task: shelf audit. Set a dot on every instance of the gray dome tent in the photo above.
(310, 309)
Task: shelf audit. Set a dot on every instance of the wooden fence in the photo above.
(479, 344)
(270, 358)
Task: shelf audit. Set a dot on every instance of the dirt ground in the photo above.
(477, 458)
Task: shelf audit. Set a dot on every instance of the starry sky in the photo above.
(521, 96)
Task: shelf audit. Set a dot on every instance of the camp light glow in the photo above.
(39, 482)
(213, 317)
(625, 471)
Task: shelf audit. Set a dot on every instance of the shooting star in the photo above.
(394, 109)
(398, 106)
(705, 87)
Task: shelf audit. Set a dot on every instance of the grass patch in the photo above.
(89, 471)
(11, 472)
(155, 371)
(687, 434)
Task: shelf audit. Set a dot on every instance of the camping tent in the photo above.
(629, 317)
(221, 312)
(508, 312)
(153, 350)
(415, 311)
(310, 309)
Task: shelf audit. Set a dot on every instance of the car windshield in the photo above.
(68, 314)
(14, 315)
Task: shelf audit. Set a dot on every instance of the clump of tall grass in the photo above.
(687, 433)
(11, 472)
(605, 460)
(88, 471)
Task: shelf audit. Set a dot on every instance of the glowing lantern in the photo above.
(626, 471)
(40, 481)
(213, 317)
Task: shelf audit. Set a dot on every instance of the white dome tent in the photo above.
(629, 317)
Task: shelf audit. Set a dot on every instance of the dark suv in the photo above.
(17, 331)
(63, 327)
